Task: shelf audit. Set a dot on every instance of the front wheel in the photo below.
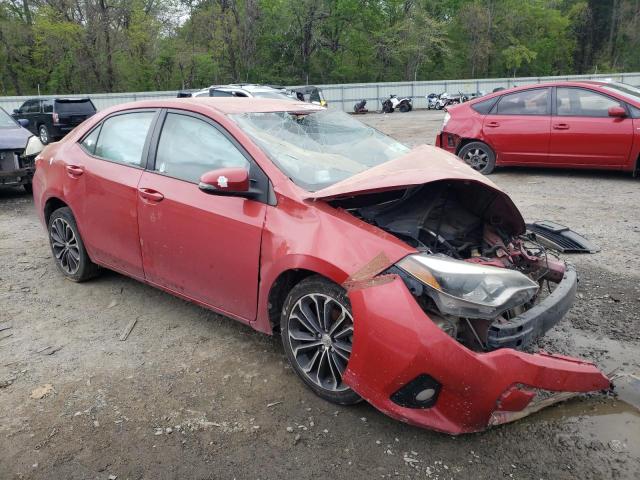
(405, 107)
(317, 335)
(479, 156)
(67, 247)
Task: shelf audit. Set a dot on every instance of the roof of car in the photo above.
(227, 105)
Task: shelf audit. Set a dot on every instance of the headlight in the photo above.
(467, 289)
(447, 116)
(34, 146)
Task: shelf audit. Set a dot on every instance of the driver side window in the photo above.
(189, 147)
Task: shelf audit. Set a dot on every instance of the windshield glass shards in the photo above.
(320, 148)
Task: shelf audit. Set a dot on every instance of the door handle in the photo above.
(74, 171)
(493, 124)
(561, 126)
(150, 195)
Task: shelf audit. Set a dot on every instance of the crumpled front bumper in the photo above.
(395, 343)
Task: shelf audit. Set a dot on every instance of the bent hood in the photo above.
(14, 138)
(422, 165)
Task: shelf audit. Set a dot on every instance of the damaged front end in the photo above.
(476, 274)
(437, 334)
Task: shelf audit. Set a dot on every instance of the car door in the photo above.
(518, 127)
(106, 170)
(583, 133)
(26, 112)
(205, 247)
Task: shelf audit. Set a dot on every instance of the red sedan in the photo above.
(392, 275)
(562, 124)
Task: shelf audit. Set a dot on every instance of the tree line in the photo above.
(76, 46)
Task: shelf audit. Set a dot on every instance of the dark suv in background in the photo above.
(52, 118)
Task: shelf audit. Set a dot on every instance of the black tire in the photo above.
(316, 343)
(479, 156)
(387, 109)
(67, 247)
(404, 107)
(28, 187)
(43, 133)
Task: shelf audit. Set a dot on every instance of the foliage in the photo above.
(73, 46)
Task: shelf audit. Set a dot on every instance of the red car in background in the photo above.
(392, 275)
(585, 124)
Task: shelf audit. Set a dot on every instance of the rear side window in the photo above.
(81, 107)
(122, 138)
(579, 102)
(89, 142)
(527, 102)
(485, 106)
(47, 106)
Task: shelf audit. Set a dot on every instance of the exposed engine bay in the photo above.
(467, 222)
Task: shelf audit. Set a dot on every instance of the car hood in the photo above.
(422, 165)
(14, 138)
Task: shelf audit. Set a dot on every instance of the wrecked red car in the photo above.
(398, 276)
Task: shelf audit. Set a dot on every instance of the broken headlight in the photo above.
(468, 289)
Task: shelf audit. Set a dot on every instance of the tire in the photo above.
(387, 109)
(404, 107)
(43, 133)
(479, 156)
(28, 187)
(439, 107)
(317, 350)
(67, 247)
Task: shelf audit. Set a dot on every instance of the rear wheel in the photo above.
(317, 335)
(404, 107)
(43, 132)
(479, 156)
(67, 247)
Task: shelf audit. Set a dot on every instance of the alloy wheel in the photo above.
(476, 158)
(65, 246)
(44, 135)
(321, 334)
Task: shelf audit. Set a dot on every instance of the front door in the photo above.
(583, 133)
(518, 126)
(205, 247)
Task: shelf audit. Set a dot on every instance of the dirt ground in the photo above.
(191, 394)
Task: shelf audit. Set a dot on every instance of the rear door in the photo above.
(583, 133)
(105, 171)
(205, 247)
(518, 127)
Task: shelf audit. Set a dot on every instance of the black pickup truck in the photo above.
(52, 118)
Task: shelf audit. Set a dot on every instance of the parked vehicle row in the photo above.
(584, 124)
(307, 93)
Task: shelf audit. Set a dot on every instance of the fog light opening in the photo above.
(421, 392)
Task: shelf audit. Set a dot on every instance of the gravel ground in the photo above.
(191, 394)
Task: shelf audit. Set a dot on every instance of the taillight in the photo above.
(56, 118)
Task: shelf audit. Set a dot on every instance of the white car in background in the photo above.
(243, 90)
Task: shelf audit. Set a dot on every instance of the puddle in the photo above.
(613, 422)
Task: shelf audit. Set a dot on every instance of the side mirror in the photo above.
(619, 112)
(227, 181)
(23, 122)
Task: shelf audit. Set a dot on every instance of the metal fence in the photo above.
(345, 95)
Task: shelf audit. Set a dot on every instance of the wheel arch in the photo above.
(278, 280)
(51, 205)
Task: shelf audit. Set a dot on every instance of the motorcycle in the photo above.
(432, 100)
(404, 104)
(360, 107)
